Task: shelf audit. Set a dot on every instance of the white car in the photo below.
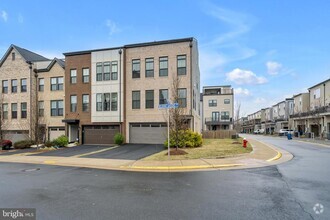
(285, 131)
(259, 131)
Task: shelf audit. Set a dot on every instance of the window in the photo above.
(106, 71)
(99, 102)
(56, 108)
(182, 98)
(181, 62)
(73, 103)
(317, 93)
(73, 76)
(4, 86)
(136, 100)
(150, 67)
(13, 110)
(224, 115)
(114, 101)
(85, 72)
(23, 110)
(85, 103)
(56, 83)
(23, 85)
(13, 56)
(136, 68)
(163, 96)
(98, 71)
(114, 70)
(41, 108)
(41, 84)
(106, 102)
(149, 98)
(14, 85)
(215, 116)
(212, 103)
(226, 101)
(163, 66)
(4, 111)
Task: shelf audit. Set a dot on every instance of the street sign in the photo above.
(168, 105)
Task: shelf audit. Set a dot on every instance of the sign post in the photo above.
(168, 106)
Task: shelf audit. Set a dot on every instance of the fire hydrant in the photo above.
(244, 142)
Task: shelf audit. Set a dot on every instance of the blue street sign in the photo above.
(168, 105)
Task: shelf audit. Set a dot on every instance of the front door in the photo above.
(73, 132)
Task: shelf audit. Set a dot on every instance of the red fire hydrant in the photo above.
(244, 142)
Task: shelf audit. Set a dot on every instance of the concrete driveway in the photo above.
(129, 152)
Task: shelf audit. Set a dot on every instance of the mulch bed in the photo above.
(177, 152)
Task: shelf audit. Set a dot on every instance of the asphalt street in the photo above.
(286, 191)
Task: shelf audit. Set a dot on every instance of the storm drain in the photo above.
(31, 170)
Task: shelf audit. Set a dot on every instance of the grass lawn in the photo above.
(212, 148)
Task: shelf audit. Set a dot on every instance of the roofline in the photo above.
(179, 40)
(216, 86)
(50, 65)
(319, 83)
(189, 39)
(90, 51)
(302, 93)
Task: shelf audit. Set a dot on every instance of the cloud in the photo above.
(273, 68)
(242, 92)
(20, 18)
(4, 15)
(245, 77)
(113, 28)
(260, 100)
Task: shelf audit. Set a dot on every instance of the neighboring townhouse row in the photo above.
(306, 113)
(217, 108)
(27, 95)
(118, 90)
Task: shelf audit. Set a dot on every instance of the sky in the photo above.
(267, 50)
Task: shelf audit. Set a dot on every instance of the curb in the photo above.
(181, 167)
(278, 156)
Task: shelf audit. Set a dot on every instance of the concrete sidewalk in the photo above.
(262, 155)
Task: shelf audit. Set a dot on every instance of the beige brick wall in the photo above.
(156, 83)
(47, 95)
(15, 69)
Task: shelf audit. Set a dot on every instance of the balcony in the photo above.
(218, 121)
(315, 112)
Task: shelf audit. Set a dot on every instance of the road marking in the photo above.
(94, 152)
(49, 162)
(278, 156)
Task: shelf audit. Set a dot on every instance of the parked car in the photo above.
(259, 131)
(284, 132)
(6, 144)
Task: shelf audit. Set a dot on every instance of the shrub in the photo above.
(48, 144)
(23, 144)
(61, 141)
(186, 138)
(119, 139)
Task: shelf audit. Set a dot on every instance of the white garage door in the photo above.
(56, 132)
(148, 133)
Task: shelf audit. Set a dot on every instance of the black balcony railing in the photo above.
(218, 121)
(315, 112)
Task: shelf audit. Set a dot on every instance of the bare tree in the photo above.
(237, 125)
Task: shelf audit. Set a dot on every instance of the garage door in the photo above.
(56, 132)
(15, 136)
(148, 133)
(97, 134)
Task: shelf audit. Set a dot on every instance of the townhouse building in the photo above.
(218, 108)
(312, 111)
(157, 73)
(269, 121)
(126, 85)
(25, 108)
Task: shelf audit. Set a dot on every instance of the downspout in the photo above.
(191, 87)
(124, 90)
(30, 90)
(119, 98)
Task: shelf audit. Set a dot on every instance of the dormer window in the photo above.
(13, 56)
